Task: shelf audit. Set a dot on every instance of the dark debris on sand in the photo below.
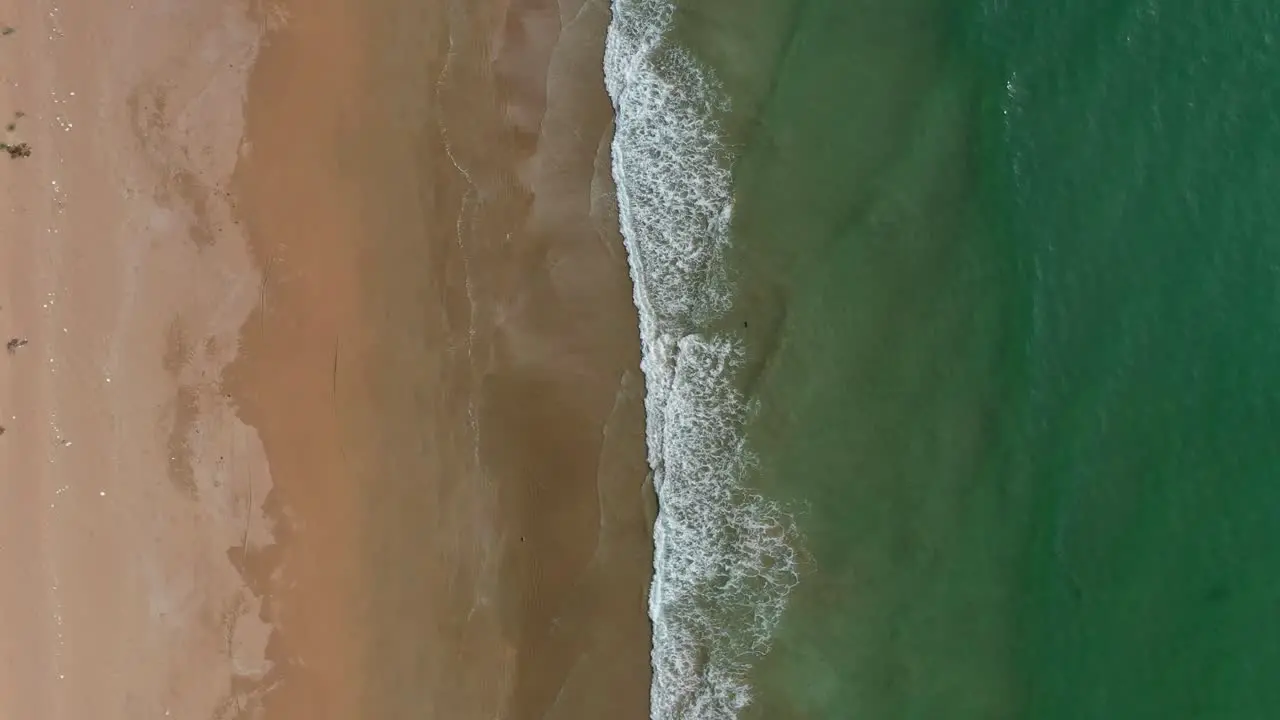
(19, 150)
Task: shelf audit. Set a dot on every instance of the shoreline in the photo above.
(503, 314)
(726, 557)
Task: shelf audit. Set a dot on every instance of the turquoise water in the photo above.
(1146, 177)
(962, 331)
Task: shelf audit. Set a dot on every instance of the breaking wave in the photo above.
(724, 557)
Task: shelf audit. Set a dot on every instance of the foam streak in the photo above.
(724, 561)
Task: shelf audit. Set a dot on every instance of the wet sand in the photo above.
(300, 347)
(504, 380)
(395, 427)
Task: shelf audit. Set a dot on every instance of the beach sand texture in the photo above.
(330, 405)
(130, 487)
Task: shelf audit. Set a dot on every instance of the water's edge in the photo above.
(724, 557)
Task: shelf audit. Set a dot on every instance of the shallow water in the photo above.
(1002, 329)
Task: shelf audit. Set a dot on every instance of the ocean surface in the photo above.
(961, 330)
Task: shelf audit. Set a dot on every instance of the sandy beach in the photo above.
(129, 483)
(508, 496)
(326, 399)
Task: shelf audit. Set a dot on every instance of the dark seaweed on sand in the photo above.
(19, 150)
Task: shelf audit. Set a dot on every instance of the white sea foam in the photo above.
(724, 561)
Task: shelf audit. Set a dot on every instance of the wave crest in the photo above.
(724, 557)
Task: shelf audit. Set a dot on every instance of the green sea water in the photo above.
(1008, 274)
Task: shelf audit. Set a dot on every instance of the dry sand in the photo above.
(352, 366)
(127, 483)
